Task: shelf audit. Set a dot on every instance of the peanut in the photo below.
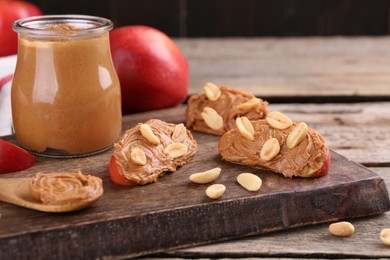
(278, 120)
(385, 236)
(341, 229)
(205, 177)
(296, 135)
(251, 103)
(215, 191)
(245, 128)
(175, 150)
(179, 133)
(147, 132)
(138, 156)
(212, 91)
(249, 181)
(212, 118)
(270, 149)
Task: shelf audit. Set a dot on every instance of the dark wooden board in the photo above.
(175, 213)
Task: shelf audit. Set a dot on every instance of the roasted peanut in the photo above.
(296, 135)
(212, 118)
(175, 150)
(179, 133)
(251, 103)
(249, 181)
(138, 156)
(245, 128)
(147, 132)
(270, 149)
(385, 236)
(215, 191)
(206, 176)
(278, 120)
(212, 91)
(341, 229)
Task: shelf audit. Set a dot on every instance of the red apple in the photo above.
(323, 170)
(9, 12)
(152, 71)
(116, 176)
(325, 167)
(13, 158)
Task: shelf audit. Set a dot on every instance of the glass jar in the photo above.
(65, 93)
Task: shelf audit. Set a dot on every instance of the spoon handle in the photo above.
(15, 191)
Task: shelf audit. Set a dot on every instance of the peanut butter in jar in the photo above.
(65, 93)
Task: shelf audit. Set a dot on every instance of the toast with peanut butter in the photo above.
(277, 144)
(215, 111)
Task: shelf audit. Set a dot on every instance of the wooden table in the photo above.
(341, 87)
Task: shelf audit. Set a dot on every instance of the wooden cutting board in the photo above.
(174, 212)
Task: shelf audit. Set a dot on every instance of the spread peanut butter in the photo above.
(164, 147)
(230, 104)
(65, 188)
(304, 159)
(65, 92)
(62, 27)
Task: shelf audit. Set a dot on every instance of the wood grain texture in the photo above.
(358, 131)
(216, 18)
(285, 18)
(316, 69)
(174, 212)
(306, 242)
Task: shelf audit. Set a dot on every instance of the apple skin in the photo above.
(11, 11)
(324, 169)
(13, 158)
(152, 71)
(116, 176)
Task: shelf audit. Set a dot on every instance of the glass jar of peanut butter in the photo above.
(65, 93)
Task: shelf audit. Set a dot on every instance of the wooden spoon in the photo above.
(16, 191)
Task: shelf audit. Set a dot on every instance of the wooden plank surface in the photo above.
(296, 69)
(360, 132)
(317, 69)
(174, 213)
(312, 242)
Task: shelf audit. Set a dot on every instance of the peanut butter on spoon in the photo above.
(52, 192)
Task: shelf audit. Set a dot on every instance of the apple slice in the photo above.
(13, 158)
(116, 176)
(292, 150)
(149, 150)
(321, 171)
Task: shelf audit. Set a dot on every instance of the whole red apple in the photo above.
(11, 10)
(152, 71)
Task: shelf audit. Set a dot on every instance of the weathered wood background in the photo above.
(315, 69)
(222, 18)
(174, 212)
(329, 83)
(359, 131)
